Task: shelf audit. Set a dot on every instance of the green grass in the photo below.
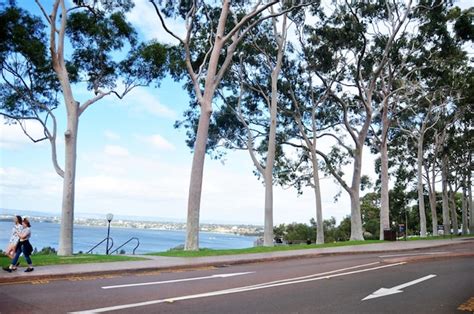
(447, 237)
(42, 260)
(259, 249)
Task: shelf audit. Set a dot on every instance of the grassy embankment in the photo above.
(51, 259)
(209, 252)
(439, 237)
(258, 249)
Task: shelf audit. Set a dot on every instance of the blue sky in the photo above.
(131, 161)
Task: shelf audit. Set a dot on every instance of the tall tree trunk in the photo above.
(70, 135)
(195, 185)
(421, 196)
(67, 211)
(469, 202)
(464, 207)
(432, 196)
(356, 219)
(384, 197)
(317, 197)
(454, 215)
(444, 183)
(268, 226)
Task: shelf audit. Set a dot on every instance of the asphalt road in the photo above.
(331, 284)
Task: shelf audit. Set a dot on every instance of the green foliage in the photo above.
(464, 26)
(94, 38)
(47, 251)
(27, 77)
(370, 209)
(299, 232)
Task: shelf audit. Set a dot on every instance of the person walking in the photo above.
(14, 238)
(24, 246)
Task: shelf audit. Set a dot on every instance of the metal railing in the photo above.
(105, 239)
(131, 239)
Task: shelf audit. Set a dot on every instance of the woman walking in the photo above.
(14, 238)
(24, 246)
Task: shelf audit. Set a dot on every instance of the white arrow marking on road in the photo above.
(261, 286)
(176, 280)
(397, 289)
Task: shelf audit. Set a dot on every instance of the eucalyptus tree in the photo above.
(213, 33)
(262, 76)
(436, 62)
(392, 94)
(348, 40)
(308, 118)
(306, 109)
(35, 71)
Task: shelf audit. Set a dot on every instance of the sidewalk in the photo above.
(159, 263)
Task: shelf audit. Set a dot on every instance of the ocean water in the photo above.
(85, 237)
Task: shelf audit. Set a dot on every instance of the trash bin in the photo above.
(389, 235)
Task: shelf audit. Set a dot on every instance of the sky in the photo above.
(131, 161)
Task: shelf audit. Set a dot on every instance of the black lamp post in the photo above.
(109, 218)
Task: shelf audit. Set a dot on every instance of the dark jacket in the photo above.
(25, 247)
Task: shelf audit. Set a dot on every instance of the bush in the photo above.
(46, 251)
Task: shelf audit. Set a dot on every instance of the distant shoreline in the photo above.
(237, 229)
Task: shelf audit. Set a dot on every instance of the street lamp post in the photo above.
(109, 218)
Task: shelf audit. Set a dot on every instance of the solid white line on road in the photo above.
(412, 254)
(233, 290)
(316, 275)
(397, 289)
(177, 280)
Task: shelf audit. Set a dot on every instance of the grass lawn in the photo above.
(42, 260)
(438, 237)
(259, 249)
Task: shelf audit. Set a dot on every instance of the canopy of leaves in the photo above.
(94, 37)
(27, 76)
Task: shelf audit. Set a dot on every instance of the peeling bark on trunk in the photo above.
(356, 218)
(464, 209)
(67, 211)
(432, 196)
(384, 197)
(421, 197)
(444, 183)
(453, 210)
(469, 202)
(268, 226)
(317, 198)
(268, 176)
(195, 186)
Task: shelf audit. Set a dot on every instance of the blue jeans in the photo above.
(18, 253)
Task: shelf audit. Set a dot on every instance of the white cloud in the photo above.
(12, 137)
(111, 135)
(157, 141)
(19, 185)
(144, 17)
(142, 101)
(116, 151)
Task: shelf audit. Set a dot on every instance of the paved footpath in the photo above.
(172, 263)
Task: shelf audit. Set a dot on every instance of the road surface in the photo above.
(331, 284)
